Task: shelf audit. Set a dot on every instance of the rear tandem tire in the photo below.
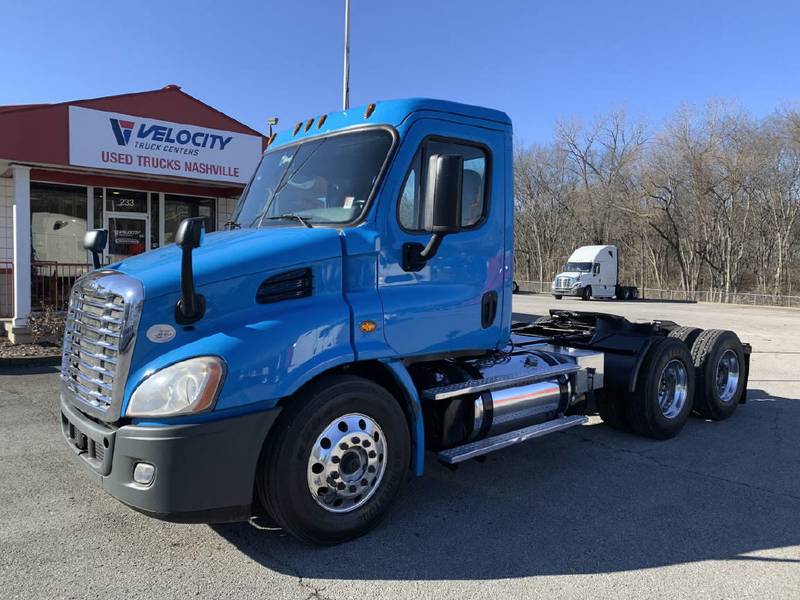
(687, 335)
(285, 473)
(662, 401)
(720, 369)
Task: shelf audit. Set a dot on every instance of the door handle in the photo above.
(488, 309)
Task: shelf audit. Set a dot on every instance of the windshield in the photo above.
(324, 180)
(580, 267)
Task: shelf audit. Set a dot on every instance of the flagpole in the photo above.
(346, 74)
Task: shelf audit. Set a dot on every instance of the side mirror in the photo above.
(191, 306)
(441, 208)
(442, 212)
(95, 241)
(190, 232)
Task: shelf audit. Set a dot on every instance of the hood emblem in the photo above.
(161, 333)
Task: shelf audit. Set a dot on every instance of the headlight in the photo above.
(185, 387)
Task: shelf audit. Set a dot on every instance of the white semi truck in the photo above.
(591, 272)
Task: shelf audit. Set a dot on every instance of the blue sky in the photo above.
(539, 61)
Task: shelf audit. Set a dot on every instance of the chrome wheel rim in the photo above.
(727, 376)
(347, 463)
(673, 388)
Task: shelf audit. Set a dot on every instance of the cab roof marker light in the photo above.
(369, 111)
(297, 127)
(321, 121)
(309, 123)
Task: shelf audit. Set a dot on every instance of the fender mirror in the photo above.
(441, 208)
(95, 241)
(191, 306)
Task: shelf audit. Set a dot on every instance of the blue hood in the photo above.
(229, 254)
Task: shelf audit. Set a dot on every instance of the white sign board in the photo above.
(108, 140)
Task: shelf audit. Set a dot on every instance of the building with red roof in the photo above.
(135, 164)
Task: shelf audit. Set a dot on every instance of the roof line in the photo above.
(27, 107)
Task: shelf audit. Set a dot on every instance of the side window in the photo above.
(474, 197)
(410, 210)
(596, 269)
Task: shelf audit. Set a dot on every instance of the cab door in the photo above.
(454, 302)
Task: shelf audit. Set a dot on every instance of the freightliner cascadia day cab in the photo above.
(592, 272)
(356, 314)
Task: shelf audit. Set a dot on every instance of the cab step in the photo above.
(497, 442)
(474, 386)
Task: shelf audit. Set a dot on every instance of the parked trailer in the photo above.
(357, 314)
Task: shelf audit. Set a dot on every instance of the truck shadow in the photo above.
(589, 500)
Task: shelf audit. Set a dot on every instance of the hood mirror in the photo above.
(95, 241)
(191, 306)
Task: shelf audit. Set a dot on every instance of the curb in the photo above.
(30, 361)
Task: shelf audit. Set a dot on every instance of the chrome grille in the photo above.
(98, 334)
(562, 282)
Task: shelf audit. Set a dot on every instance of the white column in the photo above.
(22, 244)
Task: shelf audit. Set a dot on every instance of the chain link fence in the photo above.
(543, 287)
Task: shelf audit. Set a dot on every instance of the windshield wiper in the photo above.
(291, 217)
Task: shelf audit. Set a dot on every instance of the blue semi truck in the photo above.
(355, 313)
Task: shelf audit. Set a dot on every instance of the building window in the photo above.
(177, 208)
(126, 201)
(154, 222)
(58, 223)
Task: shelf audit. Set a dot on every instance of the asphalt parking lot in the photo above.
(714, 513)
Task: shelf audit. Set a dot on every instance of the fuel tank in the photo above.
(475, 398)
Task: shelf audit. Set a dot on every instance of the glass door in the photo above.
(127, 220)
(128, 235)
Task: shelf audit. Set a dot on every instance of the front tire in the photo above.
(587, 293)
(336, 460)
(557, 296)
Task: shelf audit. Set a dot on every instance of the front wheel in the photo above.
(557, 296)
(587, 293)
(337, 460)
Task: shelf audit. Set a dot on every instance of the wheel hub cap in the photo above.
(672, 389)
(727, 376)
(347, 463)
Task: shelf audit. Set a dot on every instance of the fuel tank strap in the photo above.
(474, 386)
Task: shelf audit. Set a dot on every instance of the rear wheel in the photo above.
(719, 365)
(687, 335)
(587, 293)
(336, 461)
(662, 401)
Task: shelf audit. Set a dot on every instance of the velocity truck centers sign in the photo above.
(120, 142)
